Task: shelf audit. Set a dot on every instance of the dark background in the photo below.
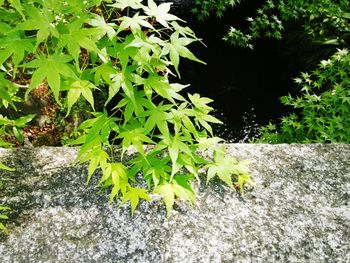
(245, 84)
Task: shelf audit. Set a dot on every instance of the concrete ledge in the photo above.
(300, 212)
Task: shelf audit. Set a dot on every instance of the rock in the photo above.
(299, 212)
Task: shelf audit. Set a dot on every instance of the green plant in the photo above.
(124, 50)
(323, 106)
(323, 21)
(203, 8)
(3, 216)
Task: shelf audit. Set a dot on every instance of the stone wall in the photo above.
(299, 212)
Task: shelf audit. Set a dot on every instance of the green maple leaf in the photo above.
(98, 158)
(16, 4)
(78, 37)
(179, 187)
(134, 195)
(176, 144)
(176, 48)
(162, 87)
(15, 46)
(2, 216)
(134, 105)
(183, 189)
(225, 167)
(154, 168)
(51, 68)
(134, 23)
(4, 94)
(168, 195)
(134, 136)
(115, 174)
(160, 13)
(76, 88)
(122, 4)
(104, 28)
(157, 116)
(98, 131)
(201, 102)
(41, 20)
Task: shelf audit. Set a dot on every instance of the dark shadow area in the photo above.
(245, 84)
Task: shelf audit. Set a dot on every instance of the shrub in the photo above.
(323, 107)
(122, 51)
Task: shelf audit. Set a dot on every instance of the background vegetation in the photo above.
(321, 108)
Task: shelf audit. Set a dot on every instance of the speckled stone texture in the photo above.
(299, 212)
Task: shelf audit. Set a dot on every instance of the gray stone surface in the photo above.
(299, 212)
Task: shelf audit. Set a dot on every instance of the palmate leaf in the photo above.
(134, 195)
(4, 94)
(18, 6)
(16, 47)
(225, 167)
(122, 4)
(98, 133)
(41, 20)
(78, 37)
(176, 48)
(167, 193)
(157, 116)
(76, 89)
(135, 136)
(3, 228)
(160, 13)
(116, 175)
(134, 23)
(180, 188)
(2, 216)
(98, 158)
(162, 87)
(104, 28)
(51, 68)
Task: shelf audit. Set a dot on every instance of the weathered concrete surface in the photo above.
(298, 213)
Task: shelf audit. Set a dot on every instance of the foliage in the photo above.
(203, 8)
(323, 106)
(124, 50)
(3, 216)
(324, 21)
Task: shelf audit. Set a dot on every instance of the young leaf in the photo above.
(168, 195)
(15, 46)
(160, 13)
(134, 195)
(79, 37)
(122, 4)
(4, 94)
(134, 23)
(117, 176)
(76, 89)
(4, 167)
(50, 68)
(134, 136)
(18, 6)
(104, 28)
(177, 47)
(41, 20)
